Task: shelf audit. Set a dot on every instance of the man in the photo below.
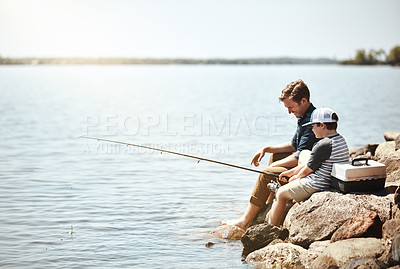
(314, 174)
(296, 98)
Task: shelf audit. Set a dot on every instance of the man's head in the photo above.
(296, 98)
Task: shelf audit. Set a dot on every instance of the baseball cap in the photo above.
(321, 115)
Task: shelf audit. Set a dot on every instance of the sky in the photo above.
(197, 29)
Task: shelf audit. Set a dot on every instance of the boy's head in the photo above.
(325, 117)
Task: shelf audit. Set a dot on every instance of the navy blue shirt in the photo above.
(304, 137)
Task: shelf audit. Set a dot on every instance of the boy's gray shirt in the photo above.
(326, 152)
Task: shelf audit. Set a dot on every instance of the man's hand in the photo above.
(258, 157)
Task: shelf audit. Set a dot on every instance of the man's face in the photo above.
(297, 109)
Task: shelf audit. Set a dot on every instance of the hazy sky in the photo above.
(197, 29)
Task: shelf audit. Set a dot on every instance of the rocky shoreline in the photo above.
(332, 229)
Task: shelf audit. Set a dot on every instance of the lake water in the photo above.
(131, 208)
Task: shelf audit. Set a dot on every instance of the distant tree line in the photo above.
(375, 57)
(180, 61)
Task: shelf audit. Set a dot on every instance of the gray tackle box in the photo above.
(360, 175)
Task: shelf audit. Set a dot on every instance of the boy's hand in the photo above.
(284, 176)
(284, 179)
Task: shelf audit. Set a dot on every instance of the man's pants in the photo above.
(261, 191)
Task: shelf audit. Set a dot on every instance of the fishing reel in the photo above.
(273, 186)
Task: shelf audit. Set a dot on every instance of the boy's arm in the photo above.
(291, 172)
(319, 154)
(304, 171)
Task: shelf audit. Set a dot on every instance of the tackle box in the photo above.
(360, 175)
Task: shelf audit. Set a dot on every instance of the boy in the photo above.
(312, 175)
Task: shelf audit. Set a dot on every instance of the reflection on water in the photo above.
(132, 208)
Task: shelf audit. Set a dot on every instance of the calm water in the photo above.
(131, 208)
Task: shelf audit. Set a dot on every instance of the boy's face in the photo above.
(317, 128)
(298, 109)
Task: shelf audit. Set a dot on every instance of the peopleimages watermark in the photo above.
(189, 125)
(182, 128)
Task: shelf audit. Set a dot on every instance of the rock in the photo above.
(276, 241)
(313, 252)
(397, 143)
(392, 162)
(396, 249)
(209, 244)
(365, 225)
(390, 229)
(258, 236)
(385, 149)
(344, 251)
(396, 198)
(386, 259)
(281, 255)
(323, 213)
(368, 263)
(391, 136)
(366, 151)
(228, 232)
(324, 262)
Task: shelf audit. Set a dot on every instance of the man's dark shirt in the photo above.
(304, 137)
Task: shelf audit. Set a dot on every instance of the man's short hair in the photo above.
(295, 91)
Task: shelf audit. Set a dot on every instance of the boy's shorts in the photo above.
(298, 190)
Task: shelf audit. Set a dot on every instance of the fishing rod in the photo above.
(185, 155)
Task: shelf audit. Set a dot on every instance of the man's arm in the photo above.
(284, 147)
(289, 161)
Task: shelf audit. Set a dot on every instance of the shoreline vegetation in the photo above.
(373, 57)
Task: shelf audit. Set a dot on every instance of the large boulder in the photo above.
(344, 251)
(324, 212)
(324, 262)
(391, 136)
(396, 249)
(390, 229)
(366, 151)
(392, 162)
(228, 232)
(281, 255)
(313, 252)
(365, 225)
(385, 149)
(369, 263)
(258, 236)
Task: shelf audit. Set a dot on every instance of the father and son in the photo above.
(307, 159)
